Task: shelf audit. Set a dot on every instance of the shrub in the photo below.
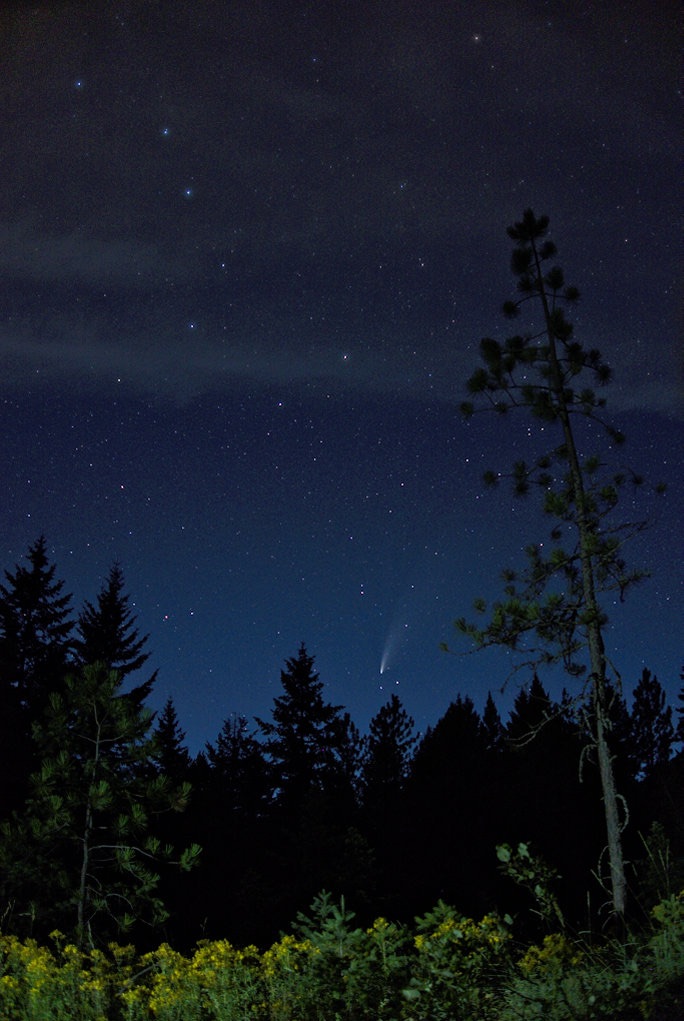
(458, 966)
(447, 967)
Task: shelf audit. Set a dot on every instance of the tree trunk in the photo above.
(83, 928)
(597, 656)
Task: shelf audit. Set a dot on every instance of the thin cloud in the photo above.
(29, 253)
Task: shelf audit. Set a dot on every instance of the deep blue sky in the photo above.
(248, 252)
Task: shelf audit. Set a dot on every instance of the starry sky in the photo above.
(248, 250)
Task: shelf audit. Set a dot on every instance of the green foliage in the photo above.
(532, 872)
(458, 966)
(563, 980)
(448, 967)
(359, 969)
(90, 856)
(546, 613)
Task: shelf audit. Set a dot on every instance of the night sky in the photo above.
(248, 251)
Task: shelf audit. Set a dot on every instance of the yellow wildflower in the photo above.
(555, 953)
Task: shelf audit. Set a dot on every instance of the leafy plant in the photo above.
(458, 965)
(450, 967)
(90, 854)
(531, 871)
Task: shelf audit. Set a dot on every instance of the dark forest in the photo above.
(110, 826)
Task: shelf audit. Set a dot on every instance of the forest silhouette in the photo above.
(104, 810)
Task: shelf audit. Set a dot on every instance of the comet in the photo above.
(395, 636)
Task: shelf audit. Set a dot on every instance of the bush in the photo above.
(564, 980)
(446, 967)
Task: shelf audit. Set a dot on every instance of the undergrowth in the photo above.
(443, 967)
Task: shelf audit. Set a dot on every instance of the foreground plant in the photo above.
(563, 979)
(447, 967)
(458, 966)
(89, 853)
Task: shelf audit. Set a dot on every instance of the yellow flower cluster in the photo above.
(36, 983)
(163, 984)
(177, 983)
(380, 925)
(287, 955)
(490, 932)
(10, 994)
(555, 953)
(170, 984)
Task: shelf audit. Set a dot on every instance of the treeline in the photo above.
(105, 811)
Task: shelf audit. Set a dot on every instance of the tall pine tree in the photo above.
(307, 746)
(389, 751)
(450, 840)
(652, 730)
(239, 777)
(548, 800)
(304, 741)
(171, 757)
(35, 630)
(491, 727)
(36, 644)
(107, 634)
(679, 731)
(552, 610)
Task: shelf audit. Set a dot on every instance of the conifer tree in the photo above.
(389, 750)
(679, 732)
(532, 711)
(652, 730)
(351, 757)
(107, 634)
(36, 643)
(309, 754)
(35, 630)
(83, 854)
(552, 610)
(171, 756)
(450, 838)
(491, 727)
(385, 822)
(239, 777)
(304, 741)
